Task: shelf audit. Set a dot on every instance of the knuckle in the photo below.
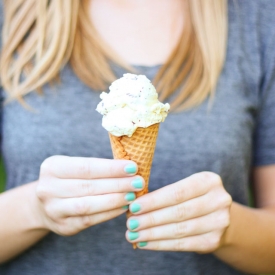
(180, 229)
(65, 230)
(181, 212)
(178, 245)
(42, 191)
(84, 168)
(50, 212)
(214, 241)
(67, 233)
(224, 199)
(157, 245)
(88, 188)
(154, 201)
(86, 221)
(150, 234)
(177, 194)
(216, 178)
(97, 219)
(116, 200)
(113, 168)
(225, 219)
(119, 185)
(210, 177)
(47, 164)
(152, 219)
(81, 208)
(227, 199)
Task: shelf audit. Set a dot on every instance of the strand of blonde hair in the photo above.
(41, 37)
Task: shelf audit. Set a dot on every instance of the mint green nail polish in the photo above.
(137, 183)
(135, 207)
(125, 207)
(130, 196)
(130, 169)
(142, 244)
(133, 224)
(133, 235)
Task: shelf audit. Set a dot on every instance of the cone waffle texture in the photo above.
(140, 148)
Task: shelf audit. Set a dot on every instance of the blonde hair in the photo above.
(41, 37)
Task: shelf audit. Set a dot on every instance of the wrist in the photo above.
(37, 219)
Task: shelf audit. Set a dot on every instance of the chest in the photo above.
(64, 122)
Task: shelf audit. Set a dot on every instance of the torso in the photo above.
(218, 140)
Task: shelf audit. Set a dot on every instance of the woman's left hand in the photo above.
(189, 215)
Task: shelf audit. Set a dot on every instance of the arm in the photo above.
(196, 214)
(20, 221)
(249, 242)
(71, 194)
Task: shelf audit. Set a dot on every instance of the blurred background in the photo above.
(2, 176)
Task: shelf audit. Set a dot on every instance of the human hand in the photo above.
(75, 193)
(189, 215)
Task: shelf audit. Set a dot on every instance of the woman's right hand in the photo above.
(75, 193)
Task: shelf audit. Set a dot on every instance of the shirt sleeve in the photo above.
(264, 138)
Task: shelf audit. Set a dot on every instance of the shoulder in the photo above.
(252, 37)
(252, 8)
(255, 18)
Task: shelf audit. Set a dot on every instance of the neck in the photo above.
(141, 32)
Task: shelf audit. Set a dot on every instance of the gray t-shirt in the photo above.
(235, 135)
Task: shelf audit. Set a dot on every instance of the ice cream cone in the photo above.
(140, 148)
(131, 115)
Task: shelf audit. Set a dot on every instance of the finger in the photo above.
(87, 168)
(80, 188)
(190, 209)
(211, 222)
(173, 194)
(73, 225)
(202, 243)
(84, 206)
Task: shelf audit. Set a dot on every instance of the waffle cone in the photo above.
(140, 148)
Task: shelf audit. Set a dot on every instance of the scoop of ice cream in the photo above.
(131, 103)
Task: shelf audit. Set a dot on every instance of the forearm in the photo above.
(20, 221)
(249, 240)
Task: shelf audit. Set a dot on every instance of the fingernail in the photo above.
(130, 169)
(133, 235)
(133, 224)
(135, 207)
(137, 183)
(130, 196)
(142, 244)
(125, 207)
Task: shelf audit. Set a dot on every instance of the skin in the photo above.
(197, 214)
(70, 195)
(178, 217)
(155, 28)
(189, 215)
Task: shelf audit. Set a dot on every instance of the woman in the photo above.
(62, 213)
